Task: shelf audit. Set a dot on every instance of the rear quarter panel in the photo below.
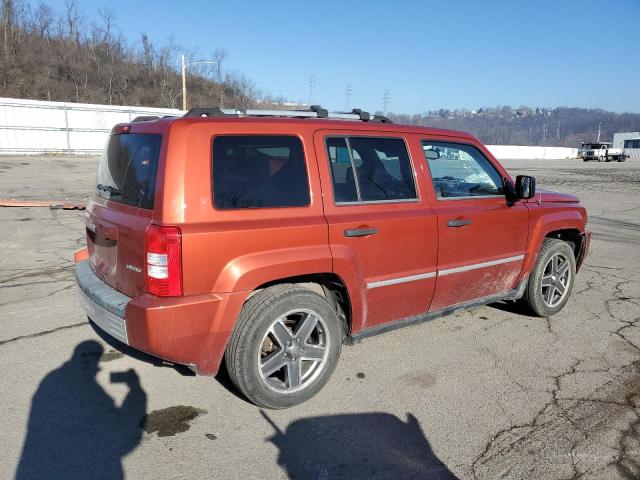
(237, 250)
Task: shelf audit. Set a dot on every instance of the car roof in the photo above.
(295, 124)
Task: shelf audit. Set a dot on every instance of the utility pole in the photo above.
(386, 99)
(558, 133)
(347, 97)
(599, 130)
(184, 66)
(184, 84)
(544, 134)
(530, 136)
(312, 86)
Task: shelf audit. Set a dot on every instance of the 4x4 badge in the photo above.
(134, 268)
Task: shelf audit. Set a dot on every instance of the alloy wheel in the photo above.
(555, 280)
(293, 351)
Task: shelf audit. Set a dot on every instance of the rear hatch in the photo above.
(121, 209)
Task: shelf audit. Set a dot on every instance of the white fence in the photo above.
(517, 152)
(33, 126)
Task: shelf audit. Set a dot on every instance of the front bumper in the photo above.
(191, 330)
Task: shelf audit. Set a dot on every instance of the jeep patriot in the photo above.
(268, 239)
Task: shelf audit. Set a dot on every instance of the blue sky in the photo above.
(428, 55)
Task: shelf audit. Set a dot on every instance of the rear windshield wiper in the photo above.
(109, 188)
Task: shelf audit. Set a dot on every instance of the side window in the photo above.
(460, 170)
(259, 172)
(369, 169)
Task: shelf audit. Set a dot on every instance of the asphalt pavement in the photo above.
(488, 393)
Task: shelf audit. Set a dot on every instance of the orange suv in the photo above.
(270, 238)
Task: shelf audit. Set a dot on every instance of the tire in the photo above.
(268, 329)
(547, 300)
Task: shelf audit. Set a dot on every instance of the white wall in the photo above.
(33, 126)
(517, 152)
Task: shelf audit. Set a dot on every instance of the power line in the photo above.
(312, 86)
(386, 99)
(347, 100)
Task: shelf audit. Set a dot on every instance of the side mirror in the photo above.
(525, 186)
(431, 154)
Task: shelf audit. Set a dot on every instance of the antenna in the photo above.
(347, 99)
(386, 99)
(271, 422)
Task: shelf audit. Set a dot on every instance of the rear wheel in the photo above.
(284, 347)
(551, 280)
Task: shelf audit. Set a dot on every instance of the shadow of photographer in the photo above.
(357, 446)
(75, 430)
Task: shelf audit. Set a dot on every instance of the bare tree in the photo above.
(219, 56)
(8, 13)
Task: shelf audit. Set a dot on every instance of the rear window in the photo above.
(259, 172)
(370, 169)
(128, 168)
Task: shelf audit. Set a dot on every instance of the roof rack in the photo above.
(314, 111)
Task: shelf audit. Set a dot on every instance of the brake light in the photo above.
(120, 129)
(163, 265)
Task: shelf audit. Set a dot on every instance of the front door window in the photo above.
(460, 171)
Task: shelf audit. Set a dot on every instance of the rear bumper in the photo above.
(104, 305)
(190, 330)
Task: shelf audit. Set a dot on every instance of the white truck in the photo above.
(601, 151)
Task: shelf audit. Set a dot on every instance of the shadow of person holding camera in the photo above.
(75, 429)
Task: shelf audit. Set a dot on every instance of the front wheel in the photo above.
(551, 280)
(284, 347)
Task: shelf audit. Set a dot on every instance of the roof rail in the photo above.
(314, 111)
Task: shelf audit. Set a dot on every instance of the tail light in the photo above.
(163, 266)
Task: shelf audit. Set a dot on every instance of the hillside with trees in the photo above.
(505, 125)
(48, 55)
(60, 56)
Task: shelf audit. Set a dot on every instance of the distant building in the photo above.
(630, 141)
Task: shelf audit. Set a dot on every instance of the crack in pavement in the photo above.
(42, 333)
(560, 439)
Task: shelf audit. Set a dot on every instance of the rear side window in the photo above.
(370, 169)
(259, 172)
(128, 169)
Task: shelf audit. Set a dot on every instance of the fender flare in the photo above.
(248, 272)
(547, 223)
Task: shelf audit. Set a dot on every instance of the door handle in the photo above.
(459, 222)
(360, 232)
